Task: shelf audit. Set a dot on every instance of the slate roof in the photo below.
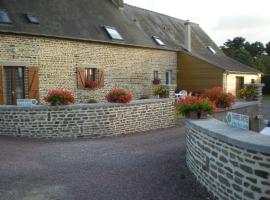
(84, 20)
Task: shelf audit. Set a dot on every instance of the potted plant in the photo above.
(221, 98)
(156, 81)
(91, 84)
(195, 107)
(59, 97)
(119, 95)
(161, 92)
(248, 93)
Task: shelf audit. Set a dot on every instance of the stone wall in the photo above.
(57, 59)
(231, 163)
(86, 120)
(249, 108)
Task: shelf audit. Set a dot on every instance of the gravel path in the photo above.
(147, 166)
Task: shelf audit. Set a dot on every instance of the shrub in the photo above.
(162, 92)
(91, 84)
(195, 104)
(156, 81)
(59, 97)
(119, 95)
(247, 93)
(144, 96)
(221, 98)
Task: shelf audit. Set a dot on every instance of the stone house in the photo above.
(47, 45)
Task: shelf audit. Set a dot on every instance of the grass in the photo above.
(266, 97)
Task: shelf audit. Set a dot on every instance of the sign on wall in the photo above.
(237, 120)
(26, 102)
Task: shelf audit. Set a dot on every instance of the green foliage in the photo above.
(247, 93)
(161, 91)
(252, 54)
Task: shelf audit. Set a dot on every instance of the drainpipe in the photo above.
(187, 36)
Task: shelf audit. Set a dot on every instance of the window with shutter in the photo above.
(101, 75)
(90, 77)
(80, 78)
(33, 83)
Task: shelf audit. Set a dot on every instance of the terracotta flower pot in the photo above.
(192, 115)
(249, 98)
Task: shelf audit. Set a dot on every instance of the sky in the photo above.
(221, 19)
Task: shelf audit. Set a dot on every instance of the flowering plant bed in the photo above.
(221, 98)
(91, 84)
(195, 107)
(59, 97)
(156, 81)
(161, 92)
(119, 95)
(248, 93)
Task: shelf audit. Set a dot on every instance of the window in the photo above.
(211, 50)
(158, 41)
(32, 18)
(90, 74)
(113, 33)
(168, 77)
(4, 18)
(155, 74)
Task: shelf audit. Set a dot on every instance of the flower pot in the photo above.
(192, 115)
(161, 96)
(203, 115)
(249, 98)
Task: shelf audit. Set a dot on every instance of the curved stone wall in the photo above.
(231, 163)
(86, 120)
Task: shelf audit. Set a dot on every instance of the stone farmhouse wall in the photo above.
(231, 163)
(58, 59)
(86, 120)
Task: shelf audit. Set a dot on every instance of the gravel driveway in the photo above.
(266, 109)
(147, 166)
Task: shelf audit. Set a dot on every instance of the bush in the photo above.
(119, 95)
(195, 104)
(248, 93)
(162, 92)
(156, 81)
(221, 98)
(59, 97)
(91, 84)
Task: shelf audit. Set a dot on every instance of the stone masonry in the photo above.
(86, 120)
(225, 169)
(58, 59)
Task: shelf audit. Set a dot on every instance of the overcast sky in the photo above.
(221, 19)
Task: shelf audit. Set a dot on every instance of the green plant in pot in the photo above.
(161, 92)
(248, 93)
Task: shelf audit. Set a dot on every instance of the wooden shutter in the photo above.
(33, 83)
(1, 85)
(101, 77)
(80, 78)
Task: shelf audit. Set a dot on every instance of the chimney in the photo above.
(119, 3)
(187, 36)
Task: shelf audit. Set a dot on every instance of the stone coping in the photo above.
(240, 104)
(238, 137)
(80, 106)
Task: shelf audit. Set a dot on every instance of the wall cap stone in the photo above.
(238, 137)
(80, 106)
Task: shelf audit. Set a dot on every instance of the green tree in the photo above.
(267, 48)
(243, 56)
(230, 47)
(256, 49)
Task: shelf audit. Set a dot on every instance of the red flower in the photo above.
(91, 84)
(59, 97)
(119, 95)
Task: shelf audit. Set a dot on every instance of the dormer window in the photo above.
(158, 41)
(4, 18)
(211, 50)
(113, 33)
(32, 18)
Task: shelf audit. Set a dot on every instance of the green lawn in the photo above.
(266, 97)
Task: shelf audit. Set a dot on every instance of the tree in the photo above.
(243, 56)
(267, 48)
(256, 49)
(231, 46)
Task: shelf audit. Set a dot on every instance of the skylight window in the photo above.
(113, 33)
(32, 18)
(211, 50)
(158, 41)
(4, 18)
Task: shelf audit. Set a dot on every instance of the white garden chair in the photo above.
(181, 95)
